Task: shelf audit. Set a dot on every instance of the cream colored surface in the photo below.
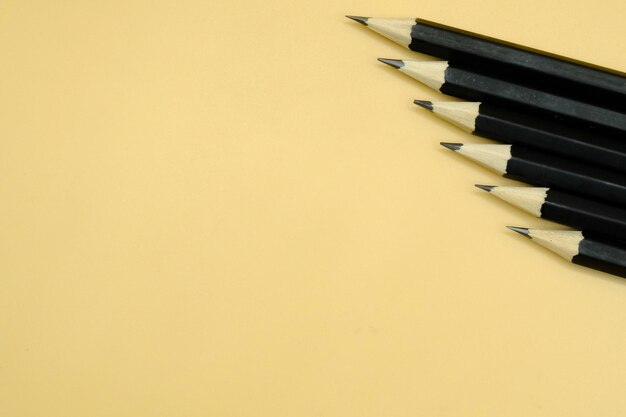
(563, 243)
(431, 73)
(460, 113)
(397, 30)
(529, 199)
(229, 209)
(494, 157)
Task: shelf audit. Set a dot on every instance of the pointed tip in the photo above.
(396, 63)
(451, 146)
(362, 20)
(521, 230)
(428, 105)
(487, 188)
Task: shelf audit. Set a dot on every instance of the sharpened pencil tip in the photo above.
(487, 188)
(521, 230)
(451, 146)
(428, 105)
(396, 63)
(362, 20)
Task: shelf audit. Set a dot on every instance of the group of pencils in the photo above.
(561, 125)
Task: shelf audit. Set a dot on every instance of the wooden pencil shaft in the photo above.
(602, 256)
(565, 208)
(582, 248)
(585, 214)
(474, 86)
(547, 71)
(497, 123)
(551, 171)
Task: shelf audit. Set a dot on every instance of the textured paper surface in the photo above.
(218, 208)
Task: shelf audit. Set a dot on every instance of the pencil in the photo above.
(542, 169)
(581, 248)
(529, 66)
(475, 86)
(503, 125)
(564, 208)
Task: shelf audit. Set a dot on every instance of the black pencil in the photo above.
(564, 208)
(475, 86)
(503, 125)
(547, 71)
(581, 248)
(542, 169)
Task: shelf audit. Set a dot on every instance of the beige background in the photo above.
(229, 208)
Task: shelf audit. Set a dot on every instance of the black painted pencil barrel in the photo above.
(602, 255)
(528, 66)
(547, 170)
(508, 126)
(475, 86)
(584, 214)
